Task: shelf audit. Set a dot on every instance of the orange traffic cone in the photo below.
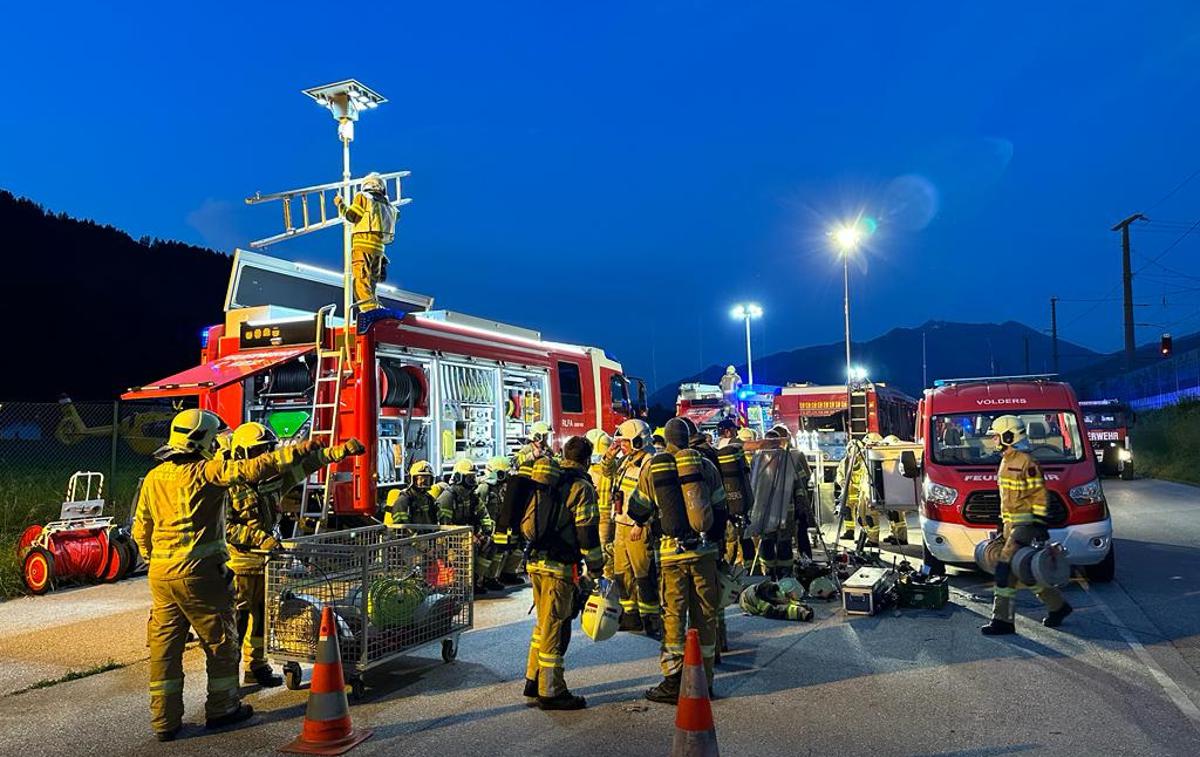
(327, 728)
(695, 734)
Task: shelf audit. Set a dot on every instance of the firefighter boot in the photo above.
(998, 628)
(168, 735)
(652, 625)
(491, 584)
(264, 677)
(563, 701)
(666, 692)
(1055, 618)
(511, 579)
(531, 692)
(242, 713)
(630, 622)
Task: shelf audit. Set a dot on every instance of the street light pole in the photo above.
(746, 312)
(749, 358)
(847, 238)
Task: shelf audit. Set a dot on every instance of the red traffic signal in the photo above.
(1164, 347)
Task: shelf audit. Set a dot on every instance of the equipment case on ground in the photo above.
(867, 591)
(931, 594)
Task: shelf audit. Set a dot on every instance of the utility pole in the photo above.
(924, 365)
(1127, 278)
(1054, 332)
(1027, 371)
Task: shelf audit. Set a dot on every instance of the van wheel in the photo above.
(936, 566)
(1103, 571)
(1127, 471)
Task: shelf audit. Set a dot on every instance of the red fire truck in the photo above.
(960, 500)
(430, 385)
(1108, 424)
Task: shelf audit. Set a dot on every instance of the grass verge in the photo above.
(1166, 443)
(71, 675)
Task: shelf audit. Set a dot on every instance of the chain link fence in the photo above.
(1165, 384)
(43, 443)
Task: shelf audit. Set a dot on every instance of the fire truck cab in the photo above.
(421, 384)
(1108, 425)
(959, 496)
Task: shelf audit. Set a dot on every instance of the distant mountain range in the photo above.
(93, 311)
(951, 349)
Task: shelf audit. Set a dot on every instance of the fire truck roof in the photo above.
(1002, 393)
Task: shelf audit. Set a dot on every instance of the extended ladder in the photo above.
(860, 421)
(331, 373)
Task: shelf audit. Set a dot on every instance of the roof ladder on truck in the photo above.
(333, 368)
(860, 420)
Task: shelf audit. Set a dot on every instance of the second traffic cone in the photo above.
(695, 734)
(327, 728)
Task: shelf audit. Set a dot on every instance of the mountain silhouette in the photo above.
(93, 311)
(953, 350)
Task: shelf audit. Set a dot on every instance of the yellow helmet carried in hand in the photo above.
(1010, 429)
(192, 431)
(601, 615)
(252, 439)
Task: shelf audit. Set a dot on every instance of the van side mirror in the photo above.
(909, 467)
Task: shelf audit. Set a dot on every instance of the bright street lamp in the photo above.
(746, 312)
(847, 238)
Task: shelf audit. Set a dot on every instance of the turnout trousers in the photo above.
(554, 602)
(633, 567)
(250, 600)
(1007, 583)
(691, 598)
(204, 603)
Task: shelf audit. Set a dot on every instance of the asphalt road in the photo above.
(1122, 677)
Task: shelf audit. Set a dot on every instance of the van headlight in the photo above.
(1126, 455)
(938, 494)
(1088, 494)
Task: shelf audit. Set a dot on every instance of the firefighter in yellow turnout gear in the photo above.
(561, 524)
(1023, 508)
(508, 542)
(372, 222)
(851, 481)
(413, 503)
(489, 493)
(459, 505)
(677, 491)
(250, 525)
(602, 470)
(633, 545)
(179, 526)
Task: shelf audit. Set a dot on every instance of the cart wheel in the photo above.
(117, 559)
(27, 538)
(292, 676)
(358, 689)
(449, 650)
(38, 570)
(130, 558)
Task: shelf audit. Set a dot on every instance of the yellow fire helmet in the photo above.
(872, 438)
(463, 467)
(891, 439)
(252, 439)
(194, 430)
(1009, 428)
(601, 615)
(498, 464)
(539, 431)
(746, 434)
(373, 182)
(635, 431)
(421, 474)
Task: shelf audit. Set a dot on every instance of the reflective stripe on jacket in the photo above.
(1023, 497)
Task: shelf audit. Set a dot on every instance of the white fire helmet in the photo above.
(601, 615)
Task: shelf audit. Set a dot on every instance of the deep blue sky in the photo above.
(619, 173)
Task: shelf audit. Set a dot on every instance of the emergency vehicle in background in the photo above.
(428, 385)
(1108, 423)
(706, 406)
(959, 495)
(816, 416)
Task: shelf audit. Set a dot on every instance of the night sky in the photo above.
(619, 174)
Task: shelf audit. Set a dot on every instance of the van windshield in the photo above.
(962, 439)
